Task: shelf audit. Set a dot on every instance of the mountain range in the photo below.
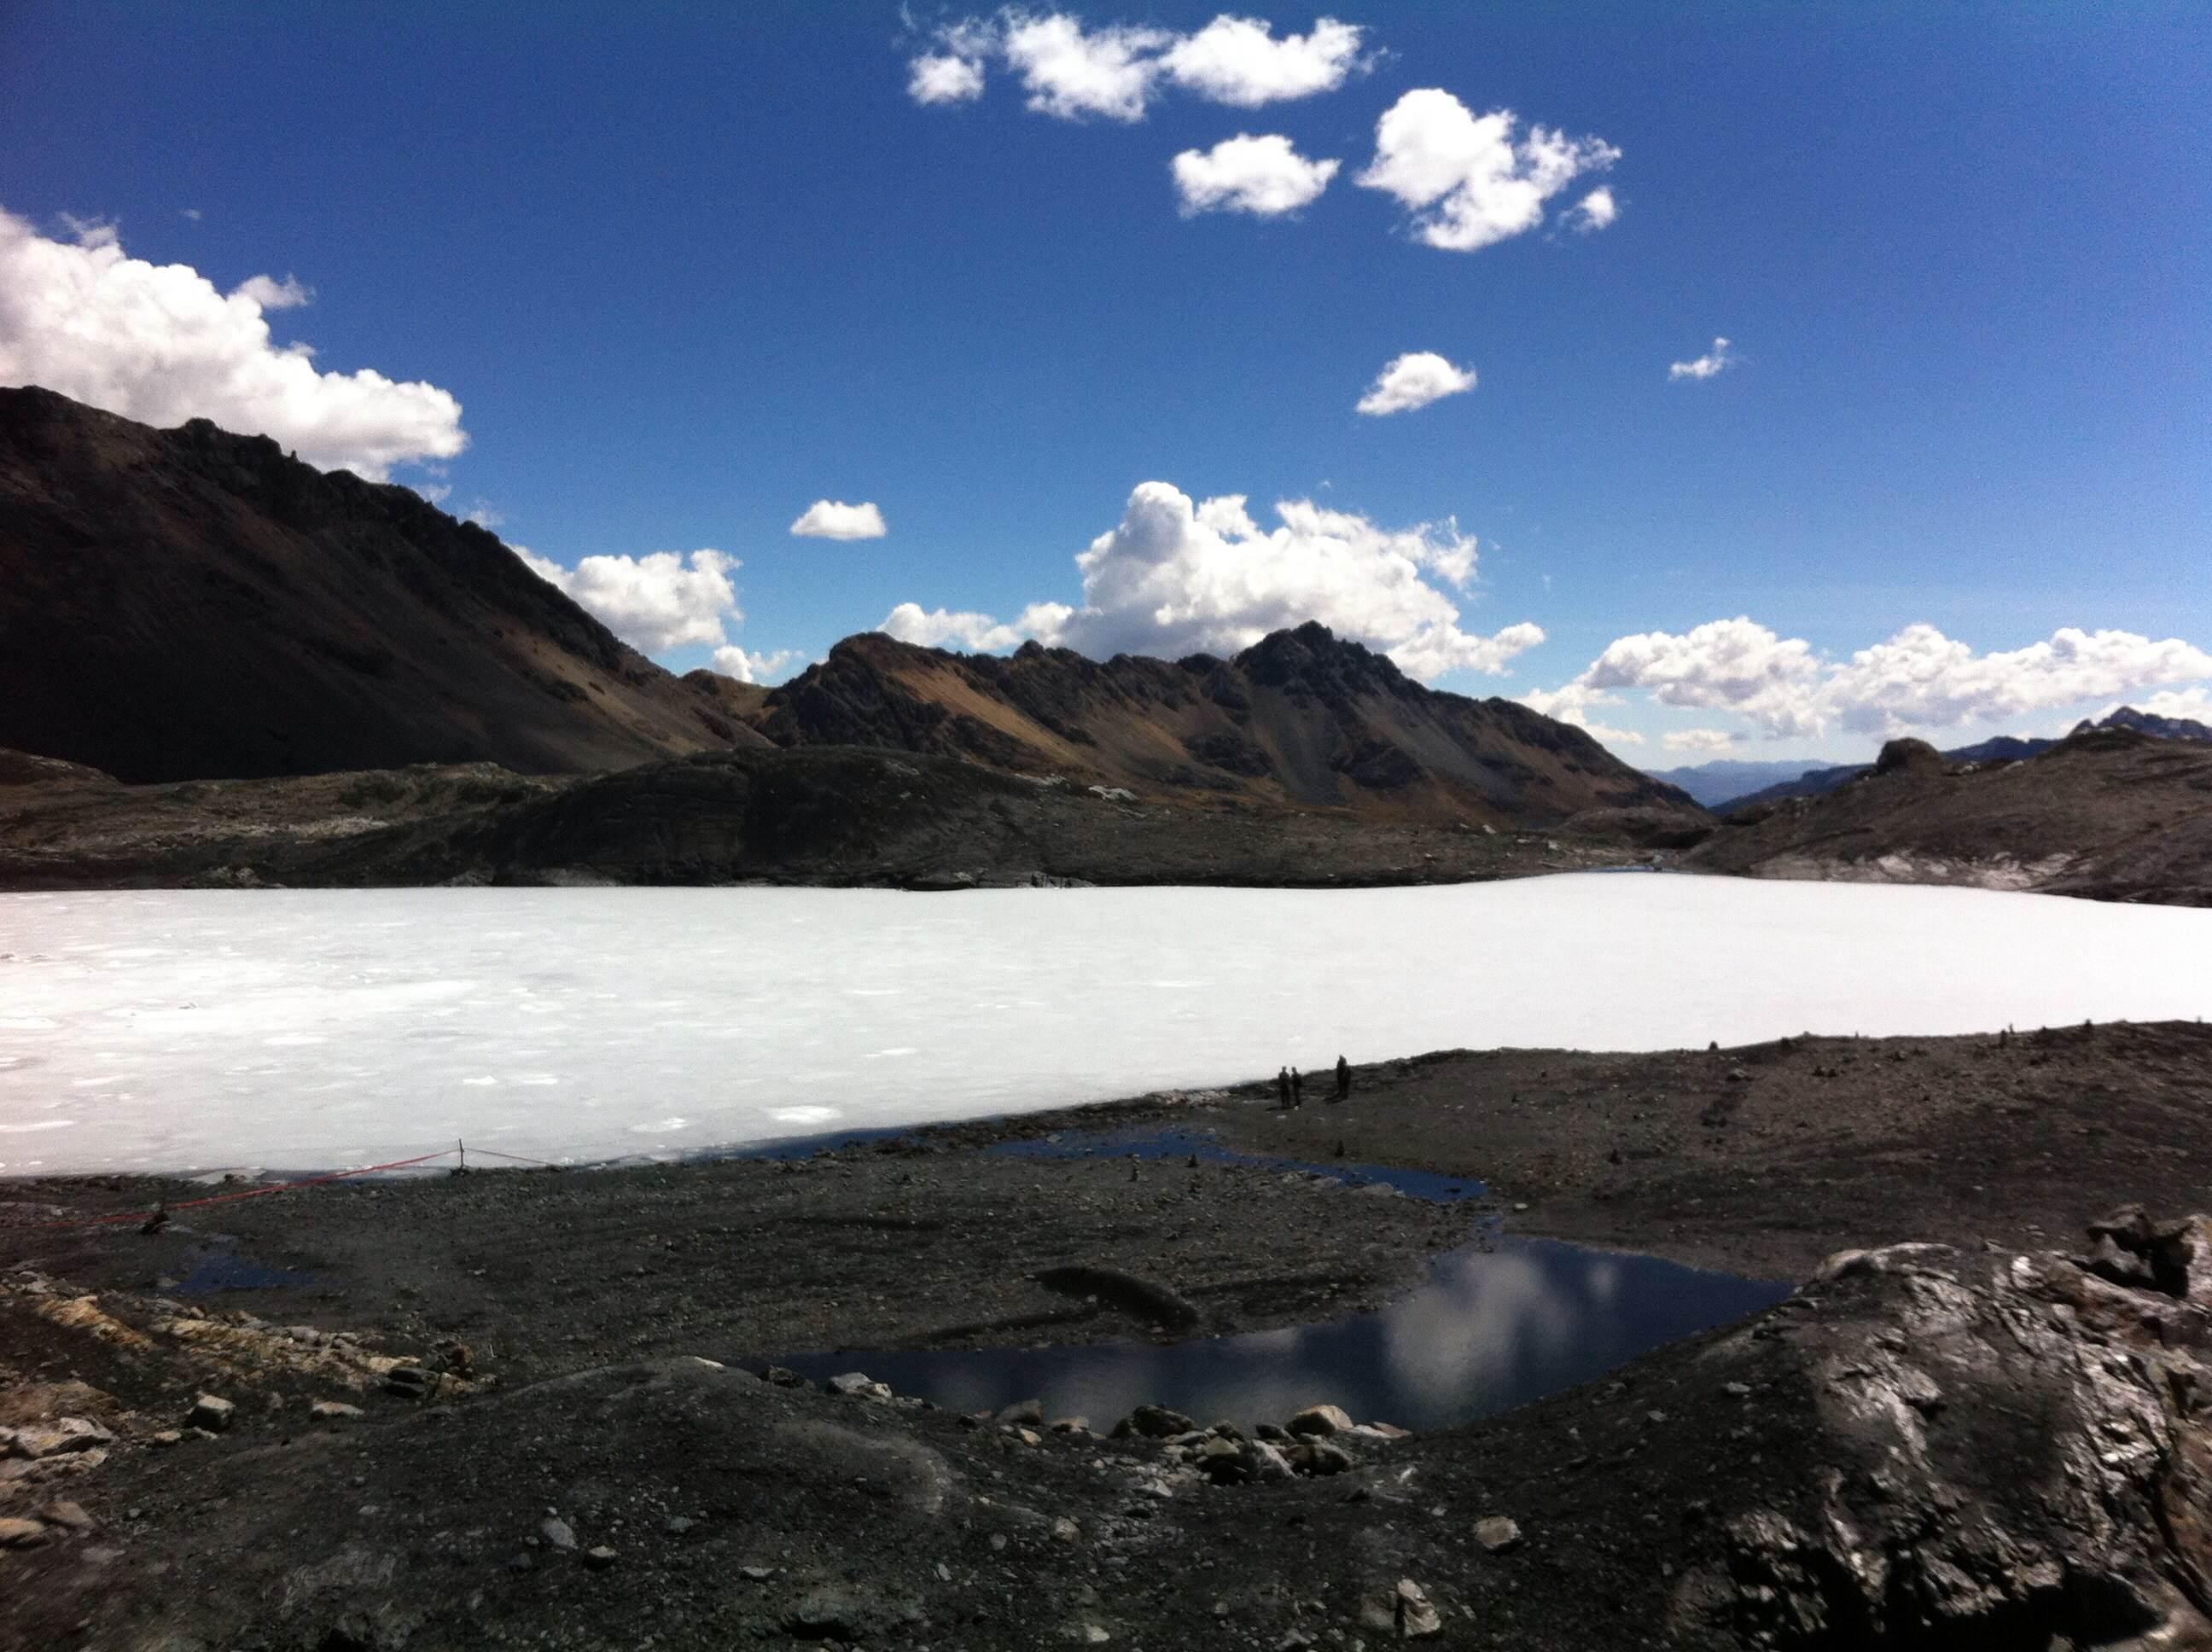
(1727, 784)
(191, 604)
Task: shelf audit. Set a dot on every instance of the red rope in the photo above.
(250, 1193)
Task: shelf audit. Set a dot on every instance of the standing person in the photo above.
(1297, 1088)
(1283, 1087)
(1343, 1079)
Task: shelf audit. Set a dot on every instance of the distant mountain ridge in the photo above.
(193, 605)
(1714, 793)
(2108, 812)
(1303, 718)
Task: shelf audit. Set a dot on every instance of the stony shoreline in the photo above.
(462, 1360)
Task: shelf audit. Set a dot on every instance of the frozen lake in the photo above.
(288, 1029)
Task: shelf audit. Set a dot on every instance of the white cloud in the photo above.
(1466, 179)
(1236, 61)
(1178, 576)
(2196, 704)
(1705, 366)
(732, 661)
(939, 77)
(1705, 742)
(656, 602)
(1733, 662)
(1264, 176)
(1919, 678)
(1569, 704)
(1115, 71)
(830, 518)
(160, 344)
(273, 294)
(1073, 73)
(936, 628)
(1594, 211)
(1413, 381)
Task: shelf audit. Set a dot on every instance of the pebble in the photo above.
(600, 1559)
(1497, 1534)
(558, 1533)
(211, 1412)
(332, 1410)
(22, 1533)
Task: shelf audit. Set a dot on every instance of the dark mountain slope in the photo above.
(188, 603)
(2108, 813)
(1300, 719)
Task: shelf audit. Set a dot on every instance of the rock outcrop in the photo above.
(2004, 1451)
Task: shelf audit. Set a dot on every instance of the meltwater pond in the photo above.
(181, 1030)
(1490, 1329)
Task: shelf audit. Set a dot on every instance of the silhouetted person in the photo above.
(1343, 1079)
(1283, 1087)
(1297, 1088)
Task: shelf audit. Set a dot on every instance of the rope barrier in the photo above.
(248, 1193)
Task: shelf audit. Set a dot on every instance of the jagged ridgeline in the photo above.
(1302, 719)
(191, 604)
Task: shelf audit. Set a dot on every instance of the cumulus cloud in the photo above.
(1115, 71)
(747, 667)
(1919, 678)
(656, 602)
(1571, 704)
(273, 294)
(830, 518)
(1413, 381)
(1236, 61)
(1074, 73)
(939, 77)
(2196, 704)
(1705, 742)
(1264, 176)
(1468, 179)
(1594, 211)
(161, 344)
(1703, 366)
(1733, 662)
(1178, 576)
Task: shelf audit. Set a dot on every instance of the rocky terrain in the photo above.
(1709, 783)
(528, 1407)
(189, 604)
(2108, 813)
(1302, 719)
(817, 815)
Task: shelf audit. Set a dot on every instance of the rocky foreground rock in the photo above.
(1924, 1447)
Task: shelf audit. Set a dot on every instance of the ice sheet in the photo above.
(296, 1029)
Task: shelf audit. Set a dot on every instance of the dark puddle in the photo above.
(1496, 1324)
(225, 1271)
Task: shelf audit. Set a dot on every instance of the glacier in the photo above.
(194, 1031)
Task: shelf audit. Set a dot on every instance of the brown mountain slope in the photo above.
(188, 603)
(1301, 719)
(2108, 813)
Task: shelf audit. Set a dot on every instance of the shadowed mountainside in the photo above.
(190, 604)
(2106, 812)
(1301, 719)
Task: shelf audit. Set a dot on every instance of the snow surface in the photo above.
(194, 1029)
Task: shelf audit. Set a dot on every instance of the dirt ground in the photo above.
(733, 1512)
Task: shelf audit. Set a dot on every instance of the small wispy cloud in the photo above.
(1716, 360)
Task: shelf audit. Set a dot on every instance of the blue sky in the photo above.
(689, 270)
